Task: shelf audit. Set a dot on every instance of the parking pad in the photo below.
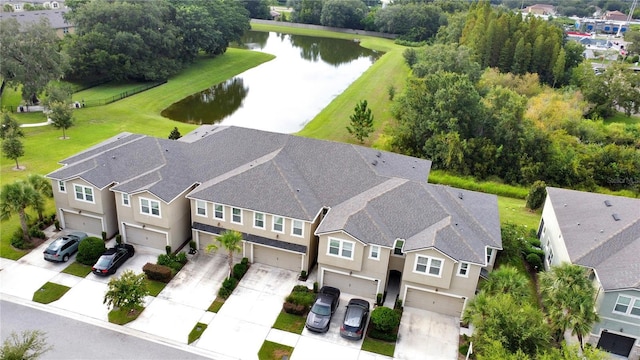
(310, 348)
(427, 335)
(85, 298)
(232, 337)
(167, 319)
(22, 280)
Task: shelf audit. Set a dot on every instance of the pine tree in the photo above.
(361, 122)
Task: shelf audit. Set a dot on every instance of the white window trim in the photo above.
(293, 227)
(489, 253)
(377, 257)
(126, 200)
(255, 219)
(84, 193)
(341, 248)
(393, 251)
(232, 216)
(62, 186)
(458, 273)
(273, 225)
(428, 266)
(204, 203)
(150, 213)
(214, 212)
(632, 301)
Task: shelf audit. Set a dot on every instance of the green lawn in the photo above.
(216, 305)
(123, 316)
(196, 332)
(514, 211)
(77, 269)
(105, 91)
(274, 351)
(154, 287)
(290, 322)
(378, 346)
(50, 292)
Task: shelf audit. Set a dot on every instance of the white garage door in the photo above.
(144, 237)
(277, 258)
(351, 285)
(83, 223)
(439, 303)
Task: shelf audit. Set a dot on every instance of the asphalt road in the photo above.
(73, 339)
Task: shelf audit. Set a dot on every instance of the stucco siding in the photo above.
(551, 237)
(610, 319)
(324, 258)
(443, 281)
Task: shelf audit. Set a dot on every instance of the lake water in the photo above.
(281, 95)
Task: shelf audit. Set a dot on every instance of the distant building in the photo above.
(56, 19)
(19, 6)
(540, 9)
(615, 16)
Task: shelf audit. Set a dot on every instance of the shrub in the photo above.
(398, 304)
(35, 232)
(224, 292)
(531, 250)
(379, 299)
(291, 308)
(391, 90)
(239, 270)
(534, 261)
(90, 250)
(381, 335)
(104, 236)
(181, 257)
(303, 274)
(300, 288)
(245, 261)
(56, 223)
(384, 319)
(164, 259)
(537, 195)
(118, 239)
(192, 244)
(157, 272)
(315, 287)
(305, 299)
(167, 249)
(174, 261)
(534, 242)
(17, 240)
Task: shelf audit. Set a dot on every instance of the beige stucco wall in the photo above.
(354, 264)
(551, 237)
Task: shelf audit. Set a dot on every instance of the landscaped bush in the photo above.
(90, 250)
(174, 261)
(35, 232)
(384, 319)
(291, 308)
(534, 261)
(157, 272)
(227, 287)
(239, 270)
(17, 240)
(245, 261)
(299, 301)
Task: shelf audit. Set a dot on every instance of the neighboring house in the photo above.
(361, 215)
(55, 17)
(540, 9)
(20, 5)
(615, 16)
(602, 233)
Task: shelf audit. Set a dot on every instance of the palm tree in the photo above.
(43, 187)
(507, 279)
(15, 198)
(569, 298)
(231, 241)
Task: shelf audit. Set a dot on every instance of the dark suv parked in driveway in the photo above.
(63, 247)
(323, 308)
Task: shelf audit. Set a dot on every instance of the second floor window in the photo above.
(150, 207)
(258, 220)
(201, 208)
(278, 224)
(84, 193)
(374, 252)
(627, 305)
(398, 247)
(236, 215)
(463, 269)
(428, 265)
(341, 248)
(297, 227)
(218, 211)
(125, 200)
(62, 187)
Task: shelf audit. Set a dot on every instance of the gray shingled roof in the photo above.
(56, 19)
(595, 239)
(375, 196)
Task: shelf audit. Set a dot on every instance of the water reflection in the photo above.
(287, 92)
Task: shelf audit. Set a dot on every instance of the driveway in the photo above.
(245, 319)
(427, 335)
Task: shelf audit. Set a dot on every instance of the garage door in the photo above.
(616, 344)
(442, 304)
(83, 223)
(277, 258)
(144, 237)
(351, 285)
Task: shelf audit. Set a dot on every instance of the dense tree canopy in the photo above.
(149, 40)
(30, 56)
(343, 13)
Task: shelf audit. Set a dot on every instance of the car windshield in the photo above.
(103, 262)
(321, 309)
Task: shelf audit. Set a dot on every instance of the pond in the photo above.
(281, 95)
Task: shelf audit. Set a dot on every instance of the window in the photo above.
(428, 265)
(258, 220)
(398, 247)
(150, 207)
(463, 269)
(297, 227)
(125, 200)
(340, 248)
(489, 255)
(278, 224)
(627, 305)
(201, 208)
(374, 252)
(218, 211)
(62, 187)
(236, 215)
(84, 193)
(550, 256)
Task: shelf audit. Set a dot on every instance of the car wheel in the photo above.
(65, 258)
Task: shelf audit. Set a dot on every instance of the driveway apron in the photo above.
(427, 335)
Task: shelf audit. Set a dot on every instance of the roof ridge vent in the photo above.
(460, 195)
(616, 217)
(374, 162)
(378, 154)
(607, 203)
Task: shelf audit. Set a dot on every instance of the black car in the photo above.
(111, 259)
(323, 308)
(355, 319)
